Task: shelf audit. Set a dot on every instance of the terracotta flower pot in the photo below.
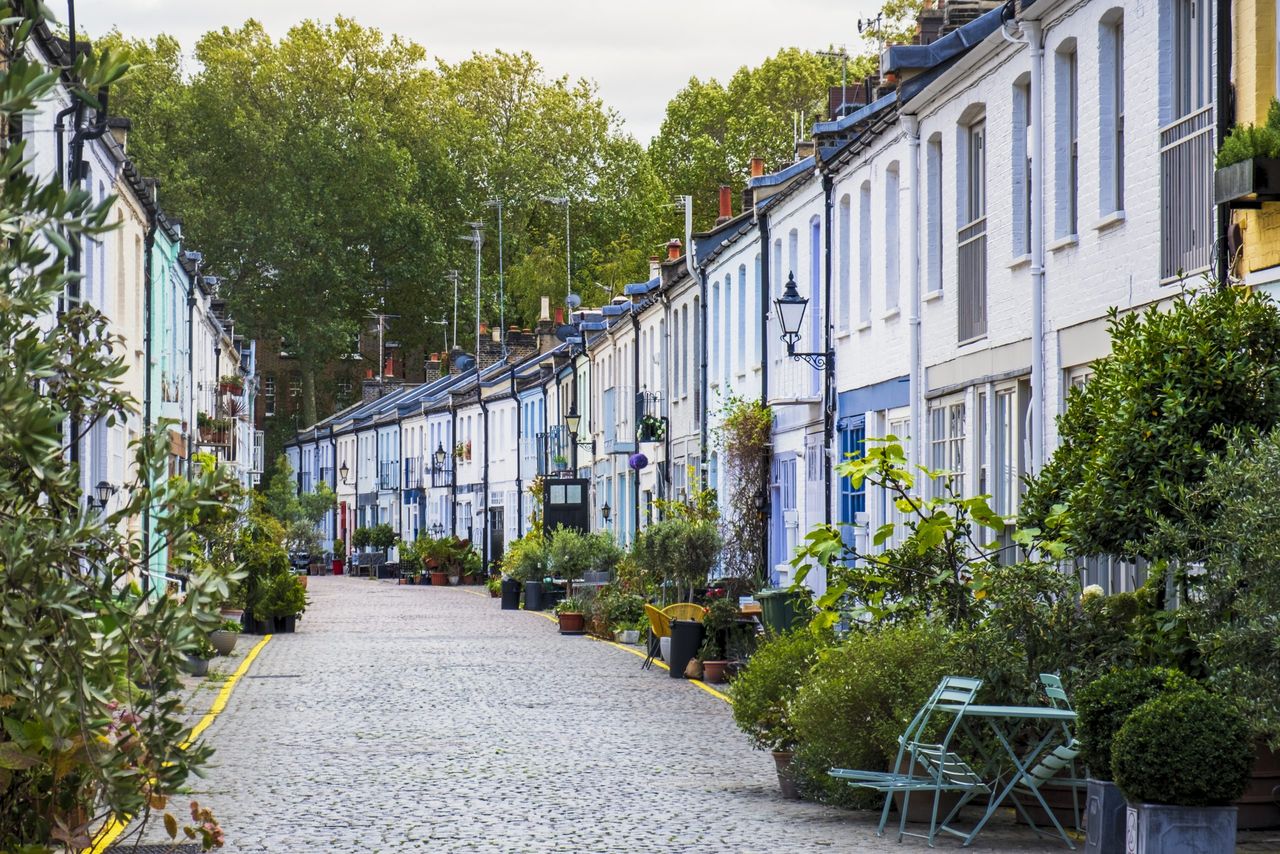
(782, 762)
(713, 671)
(572, 623)
(468, 579)
(439, 578)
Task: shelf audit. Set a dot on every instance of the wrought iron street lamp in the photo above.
(606, 511)
(438, 456)
(103, 492)
(437, 530)
(791, 307)
(343, 471)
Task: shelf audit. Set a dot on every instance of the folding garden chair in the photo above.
(1050, 768)
(925, 766)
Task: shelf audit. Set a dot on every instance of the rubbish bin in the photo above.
(781, 609)
(510, 594)
(552, 595)
(686, 640)
(533, 596)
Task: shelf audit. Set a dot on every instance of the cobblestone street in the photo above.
(419, 718)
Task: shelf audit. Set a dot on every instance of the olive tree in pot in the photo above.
(722, 629)
(1102, 707)
(1181, 759)
(762, 695)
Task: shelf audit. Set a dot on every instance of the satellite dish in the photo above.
(573, 301)
(464, 361)
(566, 331)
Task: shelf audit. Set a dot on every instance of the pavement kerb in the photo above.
(115, 826)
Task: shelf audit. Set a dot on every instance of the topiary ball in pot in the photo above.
(1103, 705)
(1189, 748)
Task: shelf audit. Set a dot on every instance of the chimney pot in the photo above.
(545, 309)
(726, 203)
(484, 328)
(559, 316)
(673, 248)
(497, 335)
(757, 167)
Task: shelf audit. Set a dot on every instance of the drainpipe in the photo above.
(700, 277)
(453, 476)
(635, 359)
(149, 241)
(911, 124)
(519, 456)
(1225, 109)
(829, 378)
(762, 222)
(484, 478)
(664, 482)
(1035, 41)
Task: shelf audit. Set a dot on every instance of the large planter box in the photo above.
(1104, 818)
(1259, 806)
(1256, 180)
(1161, 829)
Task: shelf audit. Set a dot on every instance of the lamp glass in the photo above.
(439, 456)
(573, 421)
(343, 472)
(606, 511)
(791, 307)
(103, 490)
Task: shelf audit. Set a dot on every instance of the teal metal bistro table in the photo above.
(996, 718)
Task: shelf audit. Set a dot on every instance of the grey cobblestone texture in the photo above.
(426, 719)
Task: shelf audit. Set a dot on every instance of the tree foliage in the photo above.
(1142, 430)
(90, 653)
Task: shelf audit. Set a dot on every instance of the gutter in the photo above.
(911, 125)
(700, 277)
(766, 493)
(829, 378)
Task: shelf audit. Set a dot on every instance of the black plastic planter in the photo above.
(533, 600)
(686, 640)
(285, 625)
(510, 594)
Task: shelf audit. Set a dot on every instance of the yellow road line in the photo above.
(113, 828)
(696, 682)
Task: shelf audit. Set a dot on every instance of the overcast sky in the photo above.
(640, 52)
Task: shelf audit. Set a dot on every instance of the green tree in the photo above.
(80, 626)
(1143, 429)
(299, 514)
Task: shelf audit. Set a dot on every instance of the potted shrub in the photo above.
(762, 695)
(198, 659)
(526, 564)
(494, 586)
(652, 428)
(339, 556)
(720, 624)
(1181, 759)
(1248, 163)
(572, 618)
(1102, 707)
(560, 461)
(472, 566)
(281, 601)
(224, 637)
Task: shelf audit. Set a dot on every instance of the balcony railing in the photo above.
(442, 476)
(618, 418)
(1186, 195)
(528, 455)
(326, 475)
(551, 444)
(972, 269)
(388, 475)
(651, 421)
(413, 473)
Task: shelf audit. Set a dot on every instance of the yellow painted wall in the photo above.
(1255, 75)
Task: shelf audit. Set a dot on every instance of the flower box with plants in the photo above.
(231, 384)
(224, 637)
(462, 451)
(560, 461)
(1248, 164)
(213, 431)
(571, 615)
(653, 428)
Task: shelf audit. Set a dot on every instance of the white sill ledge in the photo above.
(1109, 221)
(863, 326)
(1020, 261)
(930, 296)
(1064, 242)
(891, 314)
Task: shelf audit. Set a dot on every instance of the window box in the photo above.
(1249, 181)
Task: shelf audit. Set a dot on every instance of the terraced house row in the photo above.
(959, 240)
(189, 372)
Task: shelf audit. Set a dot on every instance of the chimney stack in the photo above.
(726, 204)
(120, 127)
(673, 248)
(544, 311)
(655, 266)
(757, 167)
(559, 316)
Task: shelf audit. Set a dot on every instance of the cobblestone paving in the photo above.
(426, 719)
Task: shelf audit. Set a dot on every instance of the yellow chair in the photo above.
(684, 611)
(659, 622)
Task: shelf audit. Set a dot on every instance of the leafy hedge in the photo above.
(1105, 704)
(764, 690)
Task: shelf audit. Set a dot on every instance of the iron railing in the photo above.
(388, 474)
(412, 473)
(1186, 195)
(971, 266)
(326, 475)
(553, 443)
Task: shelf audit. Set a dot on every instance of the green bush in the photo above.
(763, 692)
(1189, 748)
(571, 553)
(526, 558)
(1103, 705)
(280, 596)
(618, 608)
(857, 701)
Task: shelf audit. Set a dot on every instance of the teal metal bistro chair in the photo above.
(924, 766)
(1057, 767)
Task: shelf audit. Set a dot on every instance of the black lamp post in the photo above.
(573, 421)
(439, 456)
(103, 492)
(791, 307)
(606, 511)
(343, 471)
